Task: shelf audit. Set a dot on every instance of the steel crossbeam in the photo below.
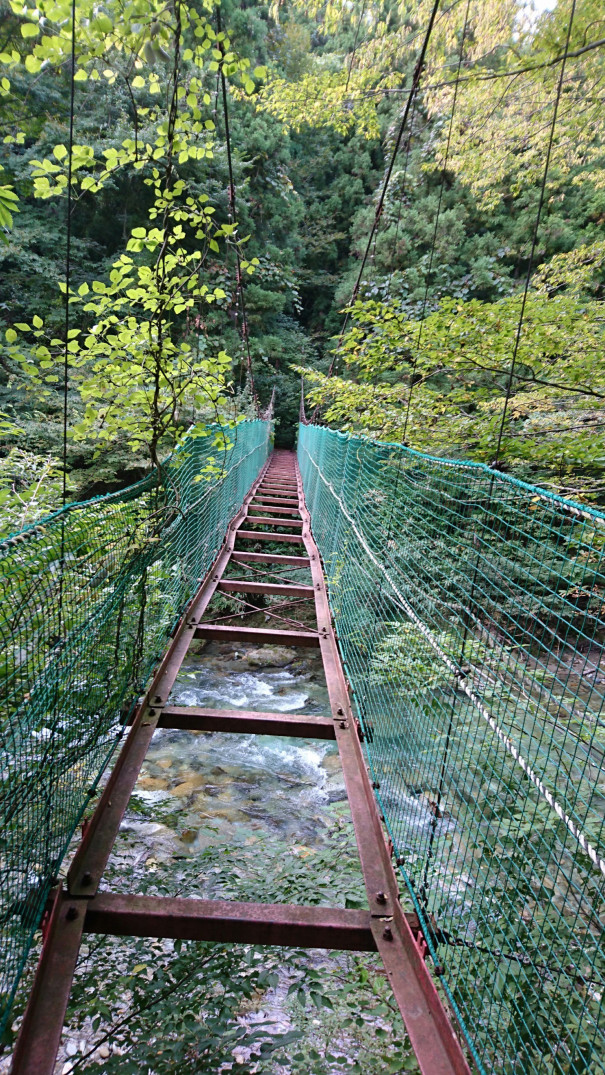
(261, 519)
(243, 586)
(258, 635)
(193, 718)
(81, 908)
(268, 535)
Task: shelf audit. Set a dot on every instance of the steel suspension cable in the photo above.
(357, 33)
(478, 538)
(232, 216)
(72, 89)
(437, 216)
(413, 88)
(535, 232)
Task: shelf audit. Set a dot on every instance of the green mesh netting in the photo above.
(88, 600)
(470, 613)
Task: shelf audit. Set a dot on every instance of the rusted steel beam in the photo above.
(40, 1032)
(277, 488)
(277, 500)
(93, 853)
(258, 520)
(256, 634)
(262, 535)
(269, 558)
(285, 590)
(281, 484)
(229, 922)
(437, 1048)
(193, 718)
(273, 510)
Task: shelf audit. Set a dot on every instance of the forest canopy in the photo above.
(246, 194)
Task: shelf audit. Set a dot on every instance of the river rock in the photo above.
(152, 783)
(337, 795)
(270, 657)
(188, 786)
(331, 763)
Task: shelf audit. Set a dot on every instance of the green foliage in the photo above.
(30, 488)
(442, 382)
(8, 198)
(403, 653)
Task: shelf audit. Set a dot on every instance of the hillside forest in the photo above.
(231, 230)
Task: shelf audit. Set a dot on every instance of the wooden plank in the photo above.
(259, 635)
(244, 721)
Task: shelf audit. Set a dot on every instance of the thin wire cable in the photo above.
(437, 216)
(413, 89)
(352, 60)
(232, 213)
(414, 86)
(72, 88)
(535, 233)
(405, 177)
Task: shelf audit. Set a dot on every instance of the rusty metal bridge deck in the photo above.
(276, 503)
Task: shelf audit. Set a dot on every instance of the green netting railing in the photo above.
(470, 613)
(88, 599)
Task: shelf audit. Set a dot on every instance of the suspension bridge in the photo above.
(459, 614)
(459, 617)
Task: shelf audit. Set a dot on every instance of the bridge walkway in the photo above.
(273, 513)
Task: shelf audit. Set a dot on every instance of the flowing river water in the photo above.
(211, 788)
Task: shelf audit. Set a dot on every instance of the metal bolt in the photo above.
(399, 861)
(387, 933)
(439, 970)
(72, 914)
(376, 784)
(340, 711)
(158, 698)
(86, 880)
(343, 724)
(381, 897)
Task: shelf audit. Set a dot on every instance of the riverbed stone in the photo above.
(152, 783)
(270, 657)
(188, 786)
